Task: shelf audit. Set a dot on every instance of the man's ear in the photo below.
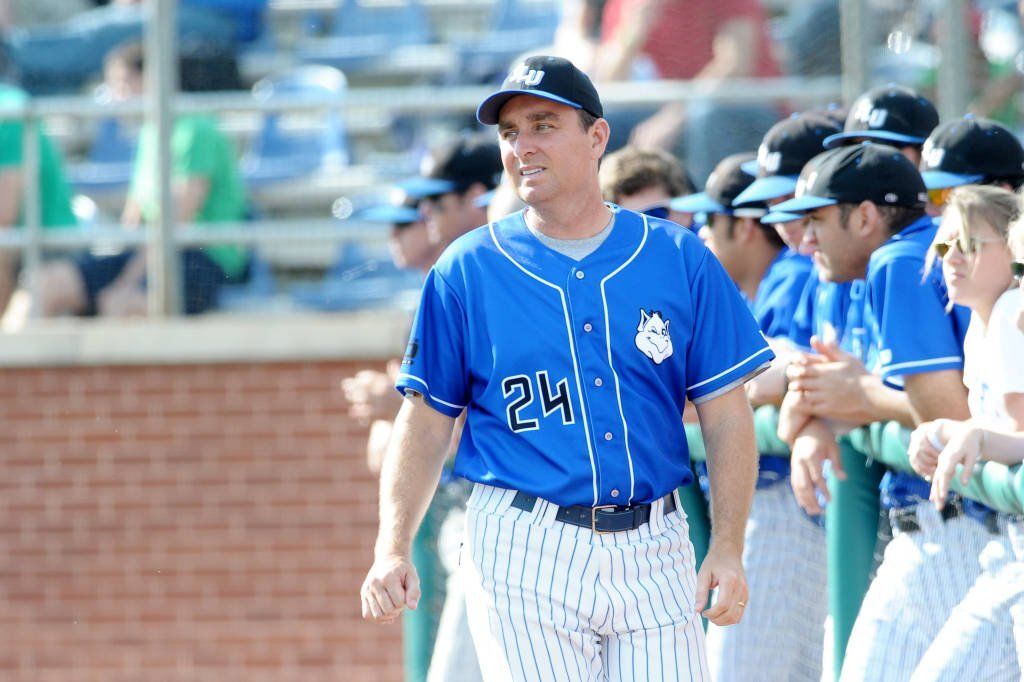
(475, 190)
(866, 220)
(599, 135)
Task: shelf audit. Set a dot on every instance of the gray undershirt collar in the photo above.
(577, 249)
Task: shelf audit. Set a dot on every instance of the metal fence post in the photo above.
(31, 208)
(162, 272)
(954, 65)
(854, 25)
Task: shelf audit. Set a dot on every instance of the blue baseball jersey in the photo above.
(574, 374)
(778, 296)
(909, 330)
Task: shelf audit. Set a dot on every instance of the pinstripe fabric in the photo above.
(977, 642)
(781, 636)
(551, 601)
(923, 576)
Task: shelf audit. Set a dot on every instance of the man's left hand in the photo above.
(722, 569)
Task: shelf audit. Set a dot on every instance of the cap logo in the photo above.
(769, 161)
(804, 184)
(932, 156)
(891, 197)
(864, 113)
(527, 76)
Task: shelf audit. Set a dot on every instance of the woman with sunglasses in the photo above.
(978, 266)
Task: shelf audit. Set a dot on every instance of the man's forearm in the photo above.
(410, 472)
(728, 431)
(886, 404)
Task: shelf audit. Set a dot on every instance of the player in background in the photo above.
(867, 219)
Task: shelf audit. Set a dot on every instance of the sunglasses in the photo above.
(939, 197)
(971, 248)
(659, 211)
(1017, 268)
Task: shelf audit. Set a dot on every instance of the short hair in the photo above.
(631, 170)
(894, 217)
(587, 119)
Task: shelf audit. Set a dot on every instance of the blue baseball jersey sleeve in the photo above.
(574, 374)
(910, 329)
(778, 298)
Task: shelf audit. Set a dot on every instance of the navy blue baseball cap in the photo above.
(786, 148)
(724, 184)
(551, 78)
(891, 114)
(970, 150)
(849, 175)
(455, 168)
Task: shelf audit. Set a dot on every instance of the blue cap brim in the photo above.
(697, 203)
(390, 214)
(943, 180)
(874, 135)
(776, 217)
(487, 112)
(750, 167)
(803, 204)
(484, 200)
(763, 189)
(420, 187)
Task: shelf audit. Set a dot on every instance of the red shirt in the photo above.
(680, 42)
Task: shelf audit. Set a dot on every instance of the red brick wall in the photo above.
(185, 523)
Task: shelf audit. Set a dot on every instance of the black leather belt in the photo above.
(906, 521)
(603, 519)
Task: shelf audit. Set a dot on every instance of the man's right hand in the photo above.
(391, 586)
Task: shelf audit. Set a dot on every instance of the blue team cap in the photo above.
(891, 114)
(775, 217)
(390, 214)
(484, 200)
(723, 186)
(865, 172)
(551, 78)
(783, 152)
(419, 187)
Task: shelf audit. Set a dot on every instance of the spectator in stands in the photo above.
(56, 59)
(207, 190)
(645, 181)
(977, 265)
(709, 41)
(54, 195)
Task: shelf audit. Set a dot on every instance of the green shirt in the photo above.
(198, 150)
(55, 196)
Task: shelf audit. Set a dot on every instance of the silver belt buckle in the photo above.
(593, 518)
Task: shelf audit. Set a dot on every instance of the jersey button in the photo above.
(579, 274)
(608, 435)
(587, 327)
(598, 382)
(615, 492)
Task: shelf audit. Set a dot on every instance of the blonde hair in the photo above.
(1016, 231)
(993, 206)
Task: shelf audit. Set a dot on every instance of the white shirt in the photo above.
(994, 361)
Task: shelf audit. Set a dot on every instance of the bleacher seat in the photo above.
(366, 33)
(516, 26)
(108, 165)
(360, 278)
(283, 152)
(259, 287)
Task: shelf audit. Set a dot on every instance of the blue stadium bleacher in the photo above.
(278, 153)
(516, 26)
(108, 165)
(366, 32)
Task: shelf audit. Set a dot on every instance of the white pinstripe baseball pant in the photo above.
(553, 601)
(923, 576)
(782, 633)
(977, 642)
